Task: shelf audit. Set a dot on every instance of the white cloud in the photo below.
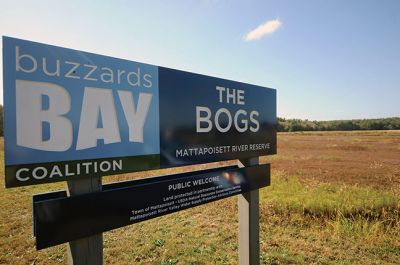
(264, 29)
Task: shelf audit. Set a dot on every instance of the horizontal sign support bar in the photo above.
(59, 219)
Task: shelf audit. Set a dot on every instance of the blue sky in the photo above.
(327, 59)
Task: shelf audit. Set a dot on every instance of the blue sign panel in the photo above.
(67, 105)
(214, 119)
(70, 114)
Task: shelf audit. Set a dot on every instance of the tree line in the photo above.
(294, 125)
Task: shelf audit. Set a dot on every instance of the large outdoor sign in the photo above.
(71, 114)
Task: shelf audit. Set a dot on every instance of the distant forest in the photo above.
(295, 125)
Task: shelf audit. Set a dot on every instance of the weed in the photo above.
(168, 262)
(330, 158)
(159, 242)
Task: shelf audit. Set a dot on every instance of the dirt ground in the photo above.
(370, 158)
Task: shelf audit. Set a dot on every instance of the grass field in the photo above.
(334, 199)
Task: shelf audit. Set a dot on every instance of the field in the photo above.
(334, 198)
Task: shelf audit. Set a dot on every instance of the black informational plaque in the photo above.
(59, 219)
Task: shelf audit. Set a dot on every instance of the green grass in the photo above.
(290, 195)
(328, 224)
(299, 224)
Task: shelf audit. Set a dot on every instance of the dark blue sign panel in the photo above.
(205, 119)
(71, 114)
(59, 219)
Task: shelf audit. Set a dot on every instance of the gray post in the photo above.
(87, 250)
(249, 226)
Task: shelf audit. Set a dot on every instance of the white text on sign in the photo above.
(241, 120)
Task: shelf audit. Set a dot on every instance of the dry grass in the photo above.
(330, 202)
(362, 158)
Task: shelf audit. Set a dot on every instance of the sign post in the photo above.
(87, 250)
(76, 116)
(249, 223)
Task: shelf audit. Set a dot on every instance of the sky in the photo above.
(328, 60)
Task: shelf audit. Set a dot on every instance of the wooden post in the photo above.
(87, 250)
(249, 226)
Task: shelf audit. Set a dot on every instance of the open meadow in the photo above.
(334, 199)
